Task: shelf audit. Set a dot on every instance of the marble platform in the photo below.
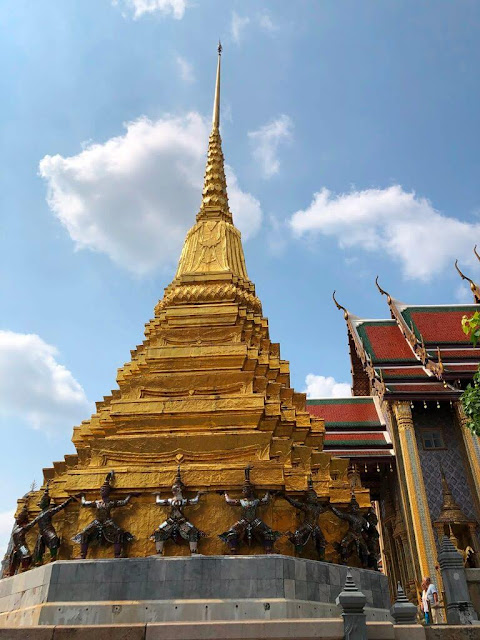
(181, 589)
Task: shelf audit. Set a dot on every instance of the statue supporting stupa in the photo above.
(176, 527)
(353, 542)
(206, 389)
(103, 529)
(250, 528)
(309, 530)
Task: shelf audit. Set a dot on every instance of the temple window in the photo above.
(432, 439)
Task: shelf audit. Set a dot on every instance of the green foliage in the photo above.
(471, 404)
(471, 396)
(471, 327)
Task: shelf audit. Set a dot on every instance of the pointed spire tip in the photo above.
(216, 101)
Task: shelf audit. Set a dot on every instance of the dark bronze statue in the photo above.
(309, 529)
(353, 540)
(249, 528)
(176, 527)
(47, 536)
(103, 529)
(372, 539)
(20, 556)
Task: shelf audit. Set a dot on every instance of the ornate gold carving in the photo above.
(403, 413)
(242, 454)
(209, 293)
(214, 195)
(212, 338)
(198, 391)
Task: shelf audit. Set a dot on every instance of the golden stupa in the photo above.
(206, 390)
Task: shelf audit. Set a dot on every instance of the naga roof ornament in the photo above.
(473, 286)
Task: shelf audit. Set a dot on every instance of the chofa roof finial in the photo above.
(383, 292)
(339, 306)
(473, 286)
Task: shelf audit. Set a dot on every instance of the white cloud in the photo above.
(237, 25)
(463, 294)
(325, 387)
(175, 8)
(260, 20)
(185, 69)
(248, 205)
(266, 23)
(35, 388)
(392, 220)
(266, 141)
(6, 525)
(277, 235)
(134, 196)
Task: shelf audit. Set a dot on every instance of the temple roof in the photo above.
(420, 353)
(383, 341)
(437, 324)
(354, 427)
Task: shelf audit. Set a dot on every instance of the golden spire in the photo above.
(216, 101)
(215, 199)
(212, 253)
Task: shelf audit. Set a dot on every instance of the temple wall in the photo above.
(451, 459)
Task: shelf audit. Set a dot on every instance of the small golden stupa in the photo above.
(206, 390)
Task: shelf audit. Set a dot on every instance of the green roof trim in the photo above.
(465, 308)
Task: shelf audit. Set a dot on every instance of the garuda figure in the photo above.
(20, 555)
(372, 539)
(176, 527)
(103, 529)
(309, 529)
(353, 540)
(47, 536)
(250, 527)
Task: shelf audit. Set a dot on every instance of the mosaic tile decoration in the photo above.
(450, 459)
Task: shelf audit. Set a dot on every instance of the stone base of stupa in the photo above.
(183, 589)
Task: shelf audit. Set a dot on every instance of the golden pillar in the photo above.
(472, 450)
(416, 501)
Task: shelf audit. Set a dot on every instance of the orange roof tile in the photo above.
(342, 411)
(384, 341)
(439, 324)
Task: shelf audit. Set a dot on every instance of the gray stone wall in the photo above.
(473, 581)
(157, 580)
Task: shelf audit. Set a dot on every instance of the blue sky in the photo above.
(351, 133)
